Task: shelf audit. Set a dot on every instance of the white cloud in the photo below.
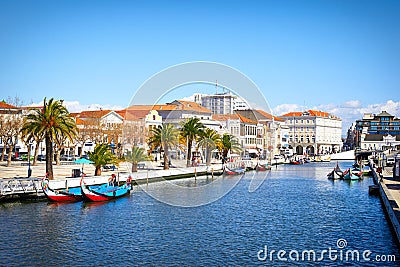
(286, 108)
(76, 106)
(352, 104)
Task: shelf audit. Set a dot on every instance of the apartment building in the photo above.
(313, 132)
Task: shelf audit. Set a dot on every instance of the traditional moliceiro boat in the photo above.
(336, 173)
(235, 171)
(264, 167)
(72, 194)
(105, 192)
(349, 174)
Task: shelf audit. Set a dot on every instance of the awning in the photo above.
(251, 151)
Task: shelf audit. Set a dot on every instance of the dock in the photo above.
(20, 188)
(389, 191)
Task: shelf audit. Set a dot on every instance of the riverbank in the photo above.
(15, 185)
(389, 190)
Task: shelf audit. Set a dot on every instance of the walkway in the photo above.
(390, 195)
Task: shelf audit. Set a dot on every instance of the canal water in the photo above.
(296, 210)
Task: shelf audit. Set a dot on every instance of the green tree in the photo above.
(209, 140)
(135, 156)
(164, 136)
(228, 143)
(101, 156)
(191, 129)
(51, 121)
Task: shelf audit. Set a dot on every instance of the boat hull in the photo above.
(104, 192)
(233, 171)
(61, 195)
(262, 168)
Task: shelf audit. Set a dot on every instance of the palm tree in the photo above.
(191, 129)
(209, 140)
(228, 143)
(101, 156)
(51, 121)
(164, 136)
(135, 156)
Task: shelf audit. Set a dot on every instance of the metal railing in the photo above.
(17, 186)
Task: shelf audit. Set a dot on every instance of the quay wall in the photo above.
(388, 202)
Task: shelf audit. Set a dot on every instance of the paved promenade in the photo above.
(390, 195)
(62, 171)
(393, 187)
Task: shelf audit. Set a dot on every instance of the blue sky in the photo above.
(338, 56)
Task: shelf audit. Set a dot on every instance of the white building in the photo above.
(222, 103)
(314, 132)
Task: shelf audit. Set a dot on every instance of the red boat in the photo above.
(235, 171)
(105, 192)
(73, 194)
(262, 168)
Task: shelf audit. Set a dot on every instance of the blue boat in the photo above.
(106, 191)
(350, 174)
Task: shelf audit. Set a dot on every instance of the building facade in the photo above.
(381, 131)
(314, 132)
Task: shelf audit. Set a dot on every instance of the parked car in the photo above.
(67, 157)
(19, 158)
(25, 157)
(41, 157)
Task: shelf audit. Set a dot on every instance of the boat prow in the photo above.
(236, 171)
(61, 195)
(105, 192)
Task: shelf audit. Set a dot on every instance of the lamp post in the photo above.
(29, 160)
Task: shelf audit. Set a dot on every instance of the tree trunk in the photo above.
(97, 171)
(189, 154)
(49, 157)
(134, 167)
(35, 155)
(208, 156)
(58, 153)
(166, 165)
(5, 142)
(81, 151)
(10, 150)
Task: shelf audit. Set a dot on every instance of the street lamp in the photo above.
(29, 160)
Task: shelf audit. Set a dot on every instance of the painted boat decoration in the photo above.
(349, 174)
(107, 191)
(235, 171)
(72, 194)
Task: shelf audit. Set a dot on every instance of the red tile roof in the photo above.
(6, 106)
(246, 120)
(267, 115)
(93, 113)
(133, 115)
(313, 113)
